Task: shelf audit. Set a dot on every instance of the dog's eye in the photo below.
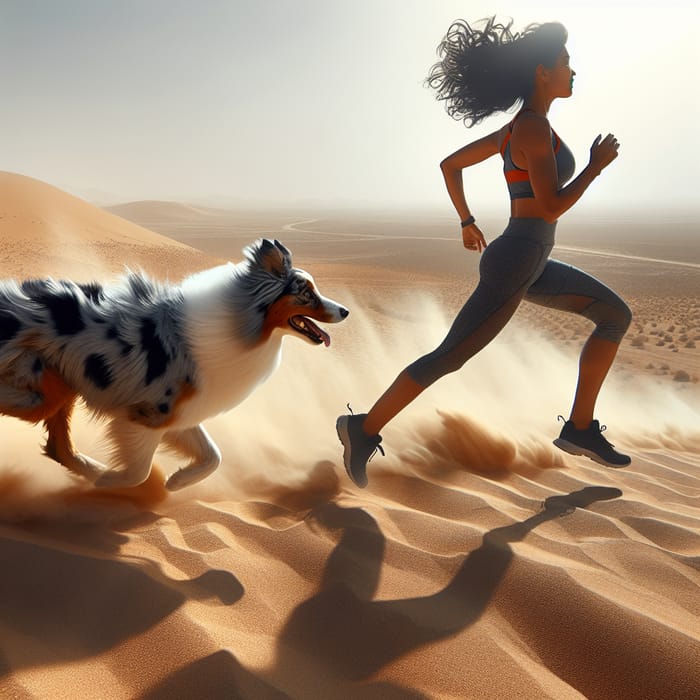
(306, 294)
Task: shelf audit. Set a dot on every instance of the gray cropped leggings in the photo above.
(513, 267)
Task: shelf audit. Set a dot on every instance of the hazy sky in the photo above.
(322, 101)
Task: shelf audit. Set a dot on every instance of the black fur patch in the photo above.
(35, 288)
(62, 305)
(157, 359)
(9, 326)
(113, 334)
(141, 288)
(93, 291)
(97, 371)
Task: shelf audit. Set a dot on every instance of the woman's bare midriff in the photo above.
(526, 208)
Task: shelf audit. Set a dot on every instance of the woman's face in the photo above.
(561, 76)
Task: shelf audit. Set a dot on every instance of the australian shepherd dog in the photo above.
(154, 359)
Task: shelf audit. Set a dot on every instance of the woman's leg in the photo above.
(596, 359)
(567, 288)
(462, 342)
(360, 434)
(402, 392)
(507, 269)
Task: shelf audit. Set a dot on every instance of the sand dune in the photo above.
(45, 231)
(480, 562)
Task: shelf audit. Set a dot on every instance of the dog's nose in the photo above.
(344, 312)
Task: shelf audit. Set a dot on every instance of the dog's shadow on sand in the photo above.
(67, 594)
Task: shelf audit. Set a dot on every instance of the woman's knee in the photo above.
(612, 319)
(429, 368)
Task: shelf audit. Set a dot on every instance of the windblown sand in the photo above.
(480, 562)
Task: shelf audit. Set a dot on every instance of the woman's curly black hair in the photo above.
(492, 69)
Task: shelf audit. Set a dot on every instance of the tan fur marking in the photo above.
(277, 316)
(187, 391)
(56, 394)
(58, 441)
(146, 414)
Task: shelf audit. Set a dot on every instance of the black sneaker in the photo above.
(359, 447)
(591, 443)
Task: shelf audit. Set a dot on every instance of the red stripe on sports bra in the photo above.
(517, 175)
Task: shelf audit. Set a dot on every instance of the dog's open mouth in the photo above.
(307, 327)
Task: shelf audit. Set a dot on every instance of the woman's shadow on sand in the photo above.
(352, 634)
(348, 635)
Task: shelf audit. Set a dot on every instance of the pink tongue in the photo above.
(326, 338)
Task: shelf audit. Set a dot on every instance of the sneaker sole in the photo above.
(341, 427)
(577, 450)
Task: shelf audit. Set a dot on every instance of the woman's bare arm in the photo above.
(452, 167)
(534, 143)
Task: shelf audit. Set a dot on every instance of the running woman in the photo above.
(484, 71)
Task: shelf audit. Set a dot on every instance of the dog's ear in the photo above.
(286, 254)
(270, 256)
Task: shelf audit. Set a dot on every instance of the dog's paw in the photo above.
(89, 468)
(110, 478)
(77, 464)
(179, 480)
(119, 478)
(182, 478)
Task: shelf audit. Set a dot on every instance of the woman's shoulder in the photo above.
(529, 126)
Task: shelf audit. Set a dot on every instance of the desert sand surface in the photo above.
(480, 562)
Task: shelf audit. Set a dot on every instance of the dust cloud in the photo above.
(497, 415)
